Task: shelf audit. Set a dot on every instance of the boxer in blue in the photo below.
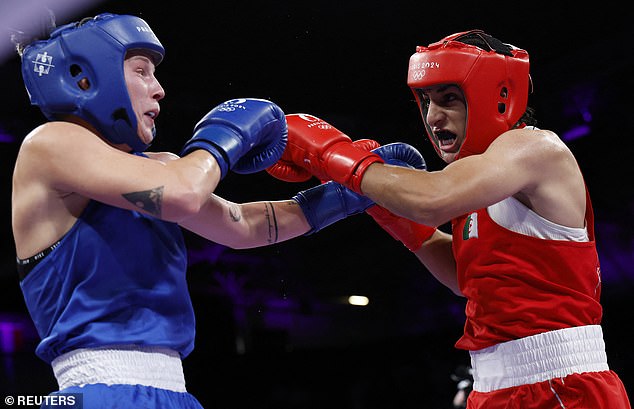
(97, 220)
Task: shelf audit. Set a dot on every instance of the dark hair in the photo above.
(40, 27)
(486, 42)
(489, 43)
(528, 118)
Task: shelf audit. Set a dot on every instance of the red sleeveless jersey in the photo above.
(517, 285)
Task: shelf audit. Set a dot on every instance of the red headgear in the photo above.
(493, 76)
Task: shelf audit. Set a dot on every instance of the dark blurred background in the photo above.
(274, 326)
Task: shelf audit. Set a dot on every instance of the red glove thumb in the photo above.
(366, 144)
(288, 172)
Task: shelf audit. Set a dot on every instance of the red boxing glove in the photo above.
(289, 172)
(408, 232)
(315, 147)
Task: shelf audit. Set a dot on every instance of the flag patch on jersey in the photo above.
(470, 227)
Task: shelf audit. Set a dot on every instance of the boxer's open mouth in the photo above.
(446, 139)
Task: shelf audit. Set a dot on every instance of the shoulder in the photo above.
(54, 150)
(57, 136)
(43, 210)
(534, 157)
(60, 129)
(531, 137)
(530, 145)
(551, 181)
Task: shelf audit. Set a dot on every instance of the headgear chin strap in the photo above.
(493, 76)
(79, 71)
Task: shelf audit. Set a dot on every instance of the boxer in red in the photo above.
(522, 249)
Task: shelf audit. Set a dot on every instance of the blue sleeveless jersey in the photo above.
(117, 277)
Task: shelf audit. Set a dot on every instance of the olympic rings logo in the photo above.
(418, 75)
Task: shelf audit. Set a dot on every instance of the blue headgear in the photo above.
(92, 52)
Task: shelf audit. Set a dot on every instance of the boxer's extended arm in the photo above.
(532, 165)
(262, 223)
(247, 225)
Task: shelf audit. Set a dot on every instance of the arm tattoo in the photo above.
(234, 213)
(272, 220)
(147, 200)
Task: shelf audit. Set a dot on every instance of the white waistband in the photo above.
(540, 357)
(121, 364)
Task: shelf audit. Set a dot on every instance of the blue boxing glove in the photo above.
(330, 202)
(245, 135)
(401, 154)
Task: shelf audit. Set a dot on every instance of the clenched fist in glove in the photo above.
(317, 148)
(325, 204)
(245, 135)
